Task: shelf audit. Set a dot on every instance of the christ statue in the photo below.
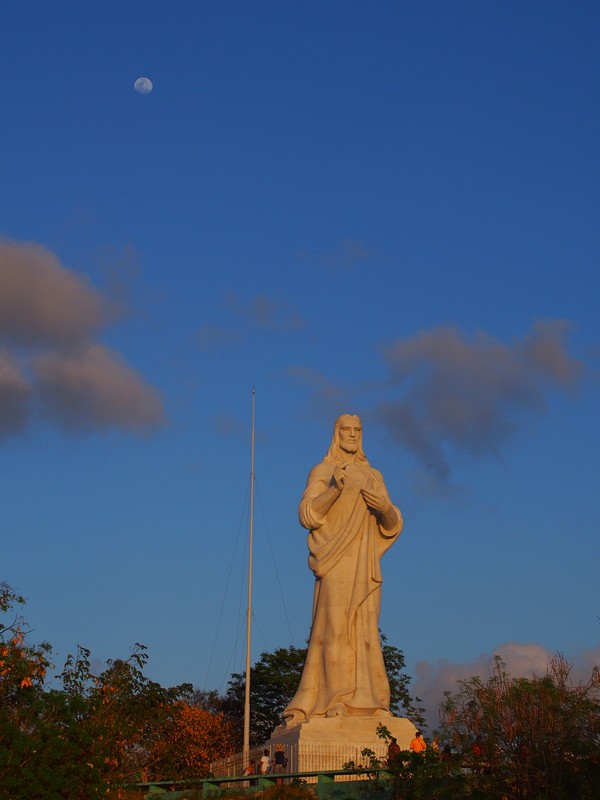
(351, 522)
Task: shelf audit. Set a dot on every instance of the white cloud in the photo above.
(43, 303)
(93, 388)
(431, 680)
(51, 364)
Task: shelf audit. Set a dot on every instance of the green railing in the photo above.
(325, 785)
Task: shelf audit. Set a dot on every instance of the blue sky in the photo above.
(390, 209)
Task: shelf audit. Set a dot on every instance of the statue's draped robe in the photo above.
(344, 671)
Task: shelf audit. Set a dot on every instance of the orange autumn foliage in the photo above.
(19, 664)
(193, 740)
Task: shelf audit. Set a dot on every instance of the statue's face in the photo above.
(350, 434)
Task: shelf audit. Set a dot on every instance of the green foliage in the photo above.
(402, 703)
(296, 790)
(122, 711)
(208, 700)
(423, 776)
(93, 733)
(411, 776)
(43, 751)
(527, 737)
(8, 599)
(523, 739)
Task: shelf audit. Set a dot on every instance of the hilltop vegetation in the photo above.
(502, 738)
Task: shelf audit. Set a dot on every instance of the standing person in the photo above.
(393, 751)
(264, 762)
(446, 758)
(280, 763)
(352, 522)
(418, 744)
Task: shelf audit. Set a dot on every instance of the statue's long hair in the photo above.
(335, 452)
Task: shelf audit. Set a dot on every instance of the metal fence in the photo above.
(306, 758)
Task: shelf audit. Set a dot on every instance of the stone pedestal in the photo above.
(327, 743)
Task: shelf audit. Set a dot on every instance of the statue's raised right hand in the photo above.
(338, 478)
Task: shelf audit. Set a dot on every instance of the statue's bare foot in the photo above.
(294, 718)
(337, 710)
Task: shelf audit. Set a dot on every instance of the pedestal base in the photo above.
(327, 743)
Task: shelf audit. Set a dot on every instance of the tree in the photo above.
(273, 682)
(191, 742)
(95, 732)
(209, 700)
(122, 711)
(32, 758)
(527, 737)
(402, 703)
(410, 775)
(22, 666)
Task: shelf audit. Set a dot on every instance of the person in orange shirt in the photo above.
(418, 744)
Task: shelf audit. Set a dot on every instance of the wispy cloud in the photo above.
(470, 393)
(327, 400)
(15, 392)
(262, 311)
(120, 269)
(450, 393)
(349, 253)
(208, 337)
(52, 364)
(230, 425)
(257, 313)
(431, 680)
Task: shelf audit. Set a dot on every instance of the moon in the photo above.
(143, 86)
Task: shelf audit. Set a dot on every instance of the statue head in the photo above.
(339, 441)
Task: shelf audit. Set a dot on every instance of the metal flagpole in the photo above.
(246, 750)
